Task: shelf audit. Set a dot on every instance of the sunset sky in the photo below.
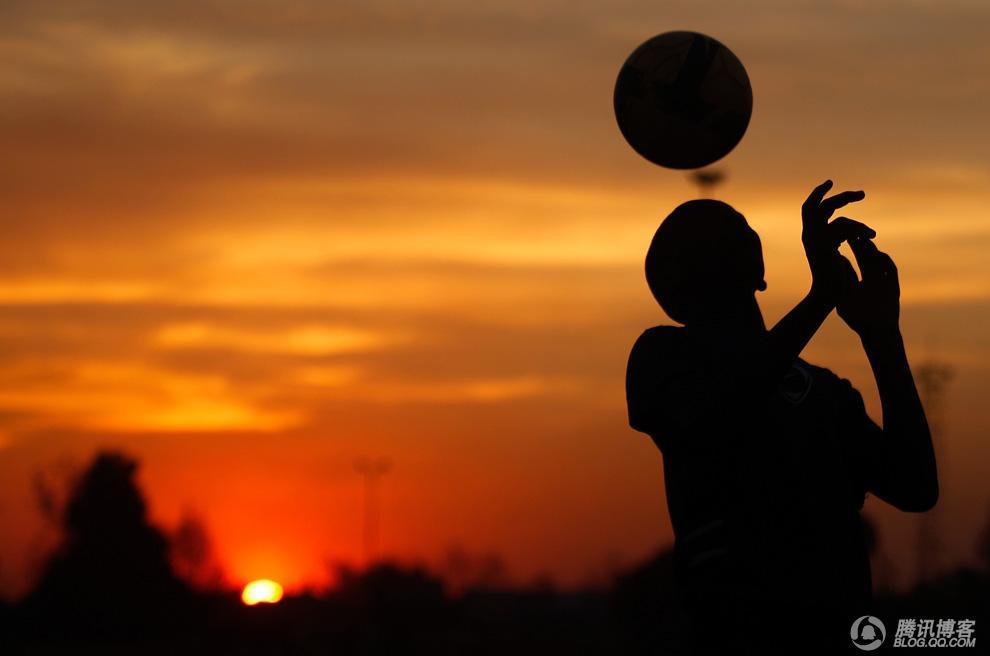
(250, 242)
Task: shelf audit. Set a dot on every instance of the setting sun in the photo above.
(262, 591)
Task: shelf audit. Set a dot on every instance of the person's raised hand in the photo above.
(871, 306)
(821, 238)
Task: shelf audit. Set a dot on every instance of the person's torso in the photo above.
(762, 487)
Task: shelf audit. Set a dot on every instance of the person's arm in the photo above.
(821, 240)
(794, 330)
(903, 471)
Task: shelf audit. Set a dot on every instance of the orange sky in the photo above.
(250, 242)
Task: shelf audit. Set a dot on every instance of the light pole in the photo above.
(371, 469)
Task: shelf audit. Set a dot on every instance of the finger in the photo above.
(810, 203)
(816, 195)
(869, 258)
(846, 280)
(829, 205)
(849, 279)
(846, 229)
(890, 276)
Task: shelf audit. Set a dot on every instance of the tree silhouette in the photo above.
(193, 556)
(111, 574)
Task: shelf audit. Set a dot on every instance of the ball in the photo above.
(683, 100)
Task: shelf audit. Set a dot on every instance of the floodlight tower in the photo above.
(371, 469)
(933, 378)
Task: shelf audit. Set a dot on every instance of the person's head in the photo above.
(705, 261)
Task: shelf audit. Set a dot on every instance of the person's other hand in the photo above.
(821, 238)
(870, 306)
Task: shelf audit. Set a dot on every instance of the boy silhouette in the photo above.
(768, 459)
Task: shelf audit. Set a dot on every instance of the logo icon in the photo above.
(868, 633)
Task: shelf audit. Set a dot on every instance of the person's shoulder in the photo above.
(815, 370)
(659, 338)
(652, 363)
(657, 348)
(819, 372)
(825, 377)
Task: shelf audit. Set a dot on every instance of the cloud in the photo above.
(359, 226)
(132, 396)
(312, 340)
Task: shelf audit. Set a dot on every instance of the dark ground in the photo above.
(111, 588)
